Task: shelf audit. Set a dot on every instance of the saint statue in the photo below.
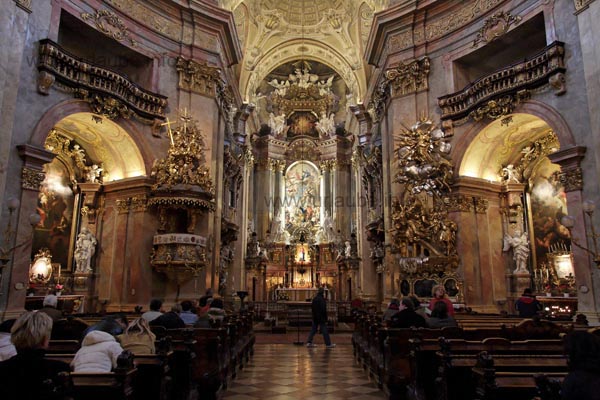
(85, 248)
(520, 246)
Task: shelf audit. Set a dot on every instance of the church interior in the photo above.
(371, 149)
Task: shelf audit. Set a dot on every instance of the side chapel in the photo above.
(269, 148)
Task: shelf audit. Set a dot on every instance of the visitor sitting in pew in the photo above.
(421, 310)
(393, 309)
(203, 303)
(7, 349)
(216, 313)
(138, 338)
(407, 317)
(171, 319)
(27, 375)
(439, 295)
(98, 353)
(155, 312)
(112, 324)
(50, 305)
(440, 317)
(527, 305)
(203, 320)
(187, 315)
(583, 358)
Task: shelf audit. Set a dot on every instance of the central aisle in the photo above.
(288, 372)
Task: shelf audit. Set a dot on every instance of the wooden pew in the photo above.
(457, 357)
(514, 379)
(63, 347)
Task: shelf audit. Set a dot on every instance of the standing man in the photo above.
(319, 319)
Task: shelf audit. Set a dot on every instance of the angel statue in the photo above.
(520, 245)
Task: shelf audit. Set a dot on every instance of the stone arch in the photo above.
(536, 109)
(311, 51)
(127, 157)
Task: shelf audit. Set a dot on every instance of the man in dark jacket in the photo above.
(319, 320)
(407, 317)
(170, 320)
(527, 305)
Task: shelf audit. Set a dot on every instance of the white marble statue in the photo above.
(520, 246)
(277, 124)
(85, 248)
(326, 125)
(93, 173)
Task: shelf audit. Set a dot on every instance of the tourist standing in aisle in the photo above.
(319, 320)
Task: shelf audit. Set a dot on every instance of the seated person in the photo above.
(187, 315)
(138, 338)
(170, 320)
(439, 295)
(112, 324)
(98, 353)
(216, 313)
(527, 305)
(49, 307)
(7, 349)
(393, 308)
(407, 317)
(155, 306)
(440, 316)
(583, 357)
(25, 375)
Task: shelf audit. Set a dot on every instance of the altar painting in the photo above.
(55, 207)
(548, 206)
(302, 196)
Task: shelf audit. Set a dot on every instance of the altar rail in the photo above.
(88, 81)
(531, 73)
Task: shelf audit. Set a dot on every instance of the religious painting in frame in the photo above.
(548, 206)
(55, 205)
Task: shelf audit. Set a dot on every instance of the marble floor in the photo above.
(289, 372)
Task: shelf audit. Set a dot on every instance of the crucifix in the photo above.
(186, 118)
(168, 124)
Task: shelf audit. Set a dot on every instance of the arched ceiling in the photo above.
(500, 144)
(104, 142)
(275, 32)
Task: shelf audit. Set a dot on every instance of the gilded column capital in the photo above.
(276, 165)
(480, 205)
(571, 179)
(139, 203)
(327, 165)
(409, 77)
(122, 205)
(198, 77)
(460, 203)
(32, 178)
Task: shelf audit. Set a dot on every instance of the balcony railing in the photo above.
(89, 80)
(531, 73)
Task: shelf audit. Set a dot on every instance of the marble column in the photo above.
(586, 273)
(15, 277)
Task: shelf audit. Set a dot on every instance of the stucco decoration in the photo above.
(293, 51)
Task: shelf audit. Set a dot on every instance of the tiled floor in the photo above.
(289, 372)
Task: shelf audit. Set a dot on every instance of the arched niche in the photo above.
(513, 152)
(89, 149)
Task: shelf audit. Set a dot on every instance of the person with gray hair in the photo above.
(27, 375)
(50, 307)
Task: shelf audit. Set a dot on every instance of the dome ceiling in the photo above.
(330, 32)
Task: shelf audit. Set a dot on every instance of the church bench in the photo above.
(152, 379)
(457, 357)
(498, 377)
(115, 385)
(63, 347)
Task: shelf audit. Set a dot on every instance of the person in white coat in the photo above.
(7, 349)
(98, 353)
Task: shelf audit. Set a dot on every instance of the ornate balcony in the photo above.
(109, 93)
(496, 94)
